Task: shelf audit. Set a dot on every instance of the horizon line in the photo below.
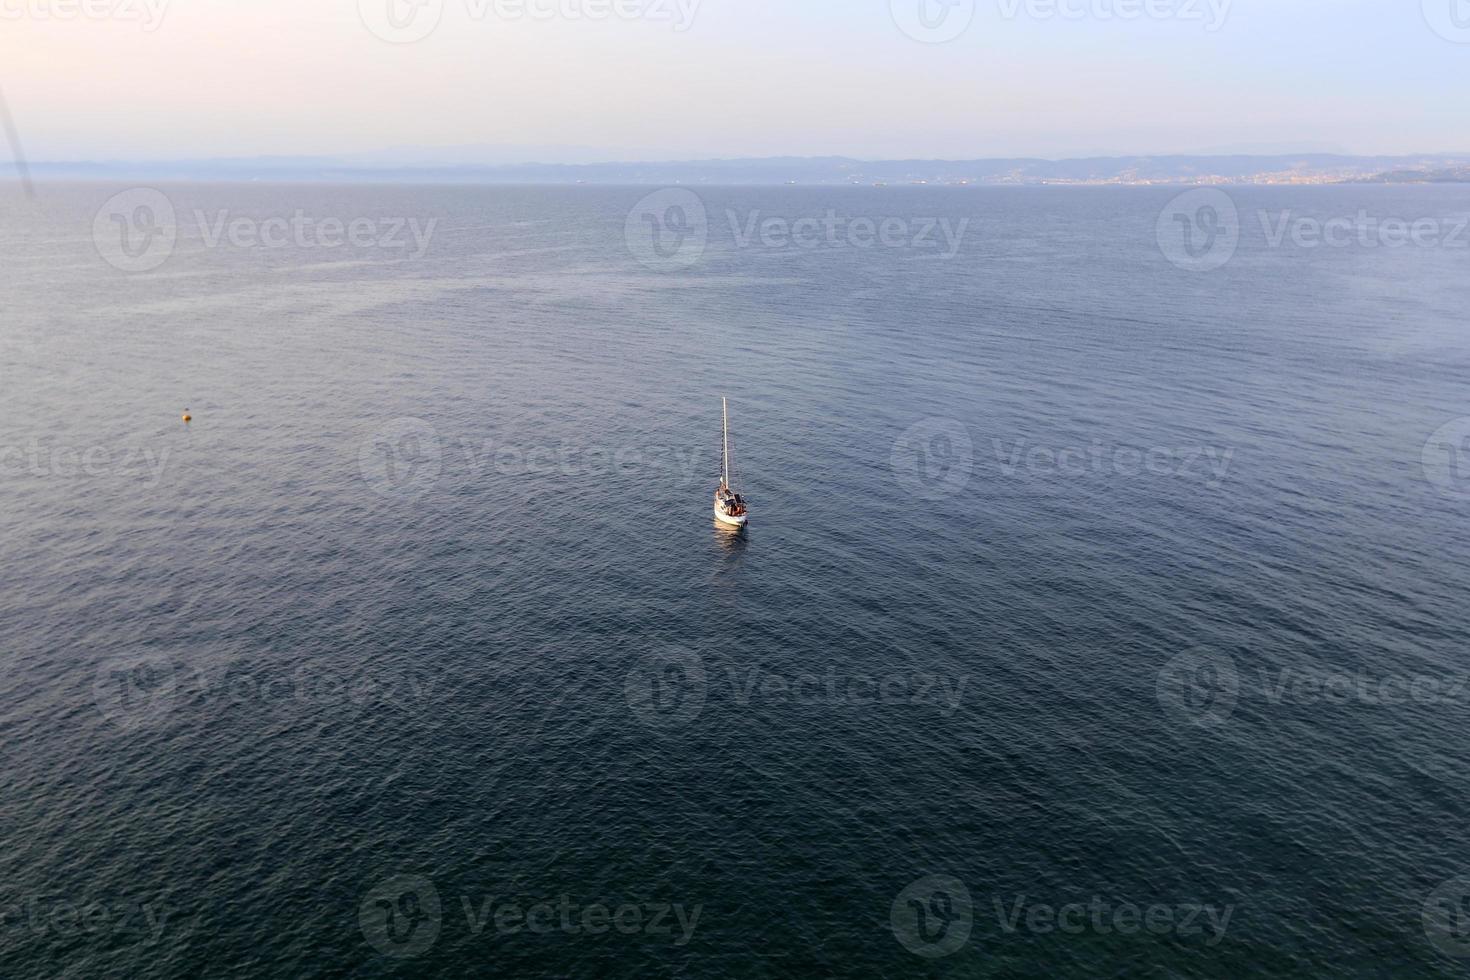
(345, 159)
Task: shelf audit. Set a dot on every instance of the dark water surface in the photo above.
(1075, 578)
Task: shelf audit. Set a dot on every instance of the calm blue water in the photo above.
(1098, 616)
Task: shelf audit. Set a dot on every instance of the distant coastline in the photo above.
(1301, 169)
(1453, 175)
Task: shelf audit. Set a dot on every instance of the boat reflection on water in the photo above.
(732, 543)
(731, 539)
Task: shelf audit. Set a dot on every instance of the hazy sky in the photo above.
(696, 78)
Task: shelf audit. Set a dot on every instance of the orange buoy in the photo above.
(187, 416)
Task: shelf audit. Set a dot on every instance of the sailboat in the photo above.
(729, 505)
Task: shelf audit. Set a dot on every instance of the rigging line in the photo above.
(21, 167)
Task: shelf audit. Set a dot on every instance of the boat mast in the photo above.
(725, 406)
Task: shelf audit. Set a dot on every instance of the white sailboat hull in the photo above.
(726, 519)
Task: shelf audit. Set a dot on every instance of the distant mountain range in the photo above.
(403, 167)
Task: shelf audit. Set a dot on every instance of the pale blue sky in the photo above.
(191, 78)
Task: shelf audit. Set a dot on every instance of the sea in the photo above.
(1102, 611)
